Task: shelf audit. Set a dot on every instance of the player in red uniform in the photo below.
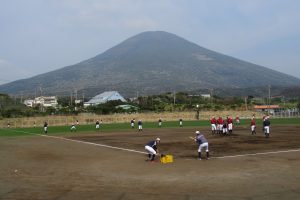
(220, 125)
(229, 124)
(213, 123)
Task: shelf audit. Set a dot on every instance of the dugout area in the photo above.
(37, 167)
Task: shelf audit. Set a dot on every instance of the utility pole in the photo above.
(246, 106)
(269, 103)
(71, 99)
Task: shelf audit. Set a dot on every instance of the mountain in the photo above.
(149, 63)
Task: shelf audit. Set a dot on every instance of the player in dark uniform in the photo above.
(140, 124)
(159, 122)
(97, 125)
(151, 148)
(132, 123)
(180, 123)
(45, 127)
(266, 125)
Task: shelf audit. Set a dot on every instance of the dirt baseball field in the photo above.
(80, 166)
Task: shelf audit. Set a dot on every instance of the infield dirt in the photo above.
(35, 167)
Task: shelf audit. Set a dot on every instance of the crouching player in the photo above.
(201, 140)
(151, 148)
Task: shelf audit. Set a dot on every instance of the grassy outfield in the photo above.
(62, 130)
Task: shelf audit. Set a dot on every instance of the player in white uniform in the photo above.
(203, 143)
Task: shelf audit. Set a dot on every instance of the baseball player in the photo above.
(220, 125)
(97, 125)
(225, 128)
(140, 125)
(151, 148)
(73, 127)
(159, 122)
(180, 123)
(132, 123)
(45, 127)
(253, 126)
(202, 142)
(213, 123)
(229, 124)
(237, 120)
(266, 125)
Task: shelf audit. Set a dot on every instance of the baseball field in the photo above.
(112, 164)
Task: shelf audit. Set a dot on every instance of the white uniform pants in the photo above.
(267, 129)
(203, 145)
(253, 128)
(150, 150)
(97, 126)
(213, 127)
(140, 127)
(230, 126)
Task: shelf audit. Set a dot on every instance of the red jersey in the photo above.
(220, 120)
(229, 121)
(213, 121)
(253, 122)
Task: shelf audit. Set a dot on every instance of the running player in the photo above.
(73, 127)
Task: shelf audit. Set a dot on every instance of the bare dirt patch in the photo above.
(36, 167)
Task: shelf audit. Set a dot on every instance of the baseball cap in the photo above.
(197, 132)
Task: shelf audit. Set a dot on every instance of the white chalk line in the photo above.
(84, 142)
(141, 152)
(255, 154)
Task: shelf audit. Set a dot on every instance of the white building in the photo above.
(50, 101)
(105, 97)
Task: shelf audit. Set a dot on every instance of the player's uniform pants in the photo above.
(97, 126)
(267, 129)
(150, 150)
(180, 123)
(159, 123)
(132, 125)
(213, 127)
(253, 128)
(140, 127)
(220, 127)
(203, 145)
(45, 129)
(230, 127)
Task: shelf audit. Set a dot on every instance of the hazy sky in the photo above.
(37, 36)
